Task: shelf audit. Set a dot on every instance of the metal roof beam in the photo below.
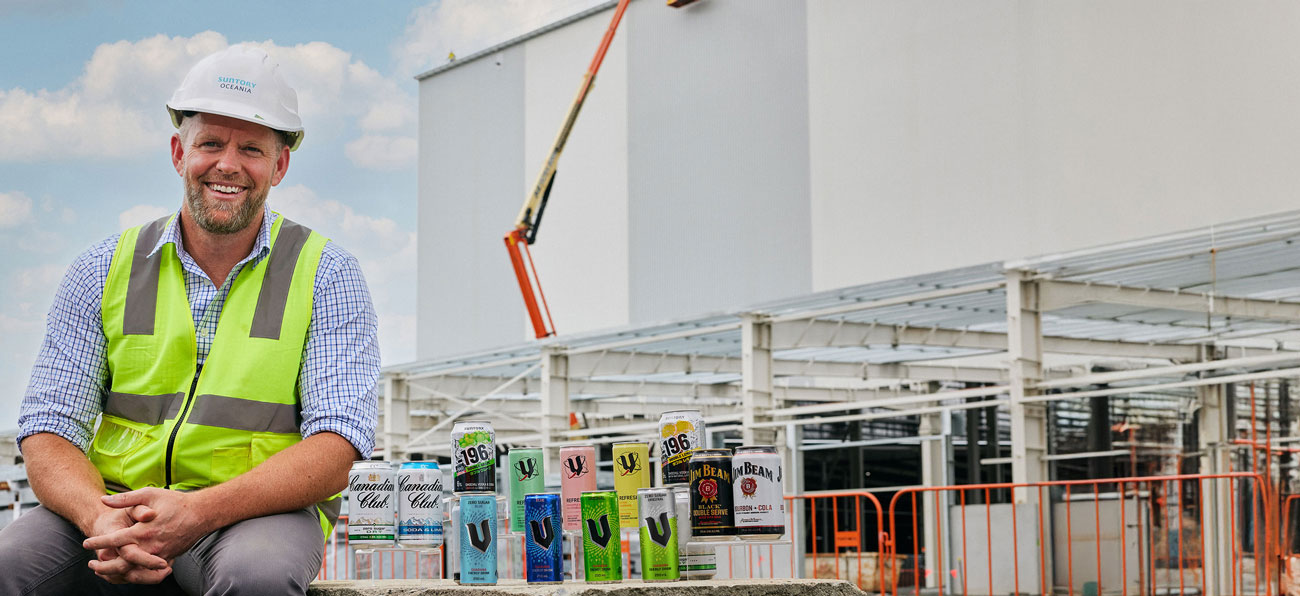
(1058, 295)
(820, 333)
(636, 363)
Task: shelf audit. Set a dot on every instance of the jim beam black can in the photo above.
(712, 517)
(757, 493)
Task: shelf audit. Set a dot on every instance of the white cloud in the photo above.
(385, 251)
(140, 214)
(115, 107)
(15, 209)
(380, 152)
(467, 26)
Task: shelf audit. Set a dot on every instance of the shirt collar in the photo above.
(261, 246)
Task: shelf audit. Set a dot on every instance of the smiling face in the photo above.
(229, 166)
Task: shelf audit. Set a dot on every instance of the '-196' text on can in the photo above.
(681, 432)
(474, 452)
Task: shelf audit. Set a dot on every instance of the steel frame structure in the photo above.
(1185, 313)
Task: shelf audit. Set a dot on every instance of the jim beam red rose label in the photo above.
(712, 517)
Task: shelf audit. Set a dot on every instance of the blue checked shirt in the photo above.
(337, 381)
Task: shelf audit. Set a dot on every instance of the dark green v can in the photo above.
(602, 545)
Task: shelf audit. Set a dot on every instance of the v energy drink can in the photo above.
(658, 534)
(602, 546)
(371, 505)
(681, 432)
(419, 503)
(478, 539)
(577, 475)
(474, 450)
(526, 476)
(544, 538)
(631, 473)
(712, 517)
(757, 494)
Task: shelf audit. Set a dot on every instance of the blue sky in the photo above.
(84, 132)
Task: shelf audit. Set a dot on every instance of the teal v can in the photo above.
(478, 539)
(544, 538)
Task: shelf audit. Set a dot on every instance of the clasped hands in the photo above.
(140, 532)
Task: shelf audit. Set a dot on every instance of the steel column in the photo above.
(1025, 359)
(397, 419)
(756, 381)
(555, 404)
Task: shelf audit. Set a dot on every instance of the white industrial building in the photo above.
(935, 242)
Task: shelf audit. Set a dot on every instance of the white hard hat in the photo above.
(241, 82)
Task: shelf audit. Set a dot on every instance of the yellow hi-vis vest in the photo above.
(166, 422)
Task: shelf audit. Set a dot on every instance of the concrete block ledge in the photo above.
(516, 587)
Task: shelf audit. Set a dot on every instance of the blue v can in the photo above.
(478, 539)
(543, 538)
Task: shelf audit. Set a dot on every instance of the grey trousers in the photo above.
(41, 553)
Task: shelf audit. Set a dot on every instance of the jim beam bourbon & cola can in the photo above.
(681, 432)
(419, 504)
(371, 513)
(577, 476)
(712, 517)
(631, 473)
(474, 451)
(757, 495)
(659, 561)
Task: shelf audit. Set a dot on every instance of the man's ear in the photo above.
(178, 154)
(281, 165)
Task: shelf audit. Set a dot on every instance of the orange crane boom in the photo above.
(529, 220)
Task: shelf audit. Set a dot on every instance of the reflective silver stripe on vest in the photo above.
(331, 509)
(145, 409)
(244, 414)
(115, 487)
(269, 315)
(142, 287)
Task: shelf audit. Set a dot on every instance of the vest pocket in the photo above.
(115, 442)
(228, 462)
(267, 444)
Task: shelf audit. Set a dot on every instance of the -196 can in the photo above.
(478, 539)
(527, 476)
(711, 499)
(371, 505)
(602, 546)
(419, 503)
(474, 450)
(658, 534)
(631, 473)
(681, 432)
(544, 538)
(757, 493)
(577, 475)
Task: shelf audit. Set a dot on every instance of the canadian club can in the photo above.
(371, 512)
(543, 538)
(711, 500)
(659, 546)
(602, 546)
(631, 473)
(681, 432)
(478, 538)
(526, 476)
(758, 496)
(577, 475)
(474, 449)
(419, 503)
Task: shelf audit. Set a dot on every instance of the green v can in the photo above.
(602, 546)
(526, 477)
(658, 534)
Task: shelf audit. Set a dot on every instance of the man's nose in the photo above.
(228, 160)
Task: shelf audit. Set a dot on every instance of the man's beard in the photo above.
(203, 213)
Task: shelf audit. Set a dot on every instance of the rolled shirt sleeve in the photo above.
(66, 391)
(339, 378)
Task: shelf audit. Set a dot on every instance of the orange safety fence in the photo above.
(842, 515)
(1140, 536)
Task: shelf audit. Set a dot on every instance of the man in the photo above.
(231, 358)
